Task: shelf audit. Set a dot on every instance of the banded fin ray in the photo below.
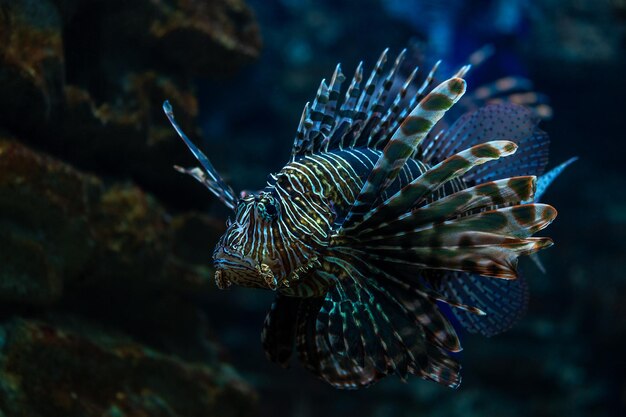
(434, 178)
(496, 258)
(403, 143)
(364, 117)
(209, 177)
(316, 354)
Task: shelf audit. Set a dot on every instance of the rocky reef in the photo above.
(51, 368)
(103, 266)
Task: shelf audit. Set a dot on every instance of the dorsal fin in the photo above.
(365, 116)
(403, 143)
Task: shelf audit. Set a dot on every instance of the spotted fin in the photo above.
(493, 122)
(452, 232)
(487, 243)
(208, 176)
(504, 302)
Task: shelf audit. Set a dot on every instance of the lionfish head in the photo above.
(242, 256)
(246, 254)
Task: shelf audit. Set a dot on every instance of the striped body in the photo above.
(313, 195)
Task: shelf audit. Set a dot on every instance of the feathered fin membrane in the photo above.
(503, 302)
(493, 122)
(368, 328)
(207, 176)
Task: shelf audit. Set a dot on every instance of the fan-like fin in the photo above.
(496, 259)
(372, 324)
(503, 301)
(417, 302)
(377, 317)
(210, 178)
(423, 186)
(493, 122)
(377, 108)
(316, 354)
(403, 143)
(487, 243)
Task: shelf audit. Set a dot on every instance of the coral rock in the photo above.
(31, 63)
(78, 370)
(62, 228)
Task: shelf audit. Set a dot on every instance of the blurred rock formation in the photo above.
(101, 273)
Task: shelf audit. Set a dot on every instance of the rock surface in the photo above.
(104, 373)
(63, 228)
(102, 276)
(85, 80)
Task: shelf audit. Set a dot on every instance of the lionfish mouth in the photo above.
(234, 267)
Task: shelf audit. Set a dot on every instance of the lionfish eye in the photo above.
(267, 209)
(271, 210)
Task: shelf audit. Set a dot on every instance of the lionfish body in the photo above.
(378, 218)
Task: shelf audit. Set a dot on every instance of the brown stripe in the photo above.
(485, 151)
(415, 124)
(436, 102)
(525, 214)
(549, 213)
(523, 187)
(457, 86)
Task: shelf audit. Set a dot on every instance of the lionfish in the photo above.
(380, 219)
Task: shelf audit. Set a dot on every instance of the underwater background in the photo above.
(107, 300)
